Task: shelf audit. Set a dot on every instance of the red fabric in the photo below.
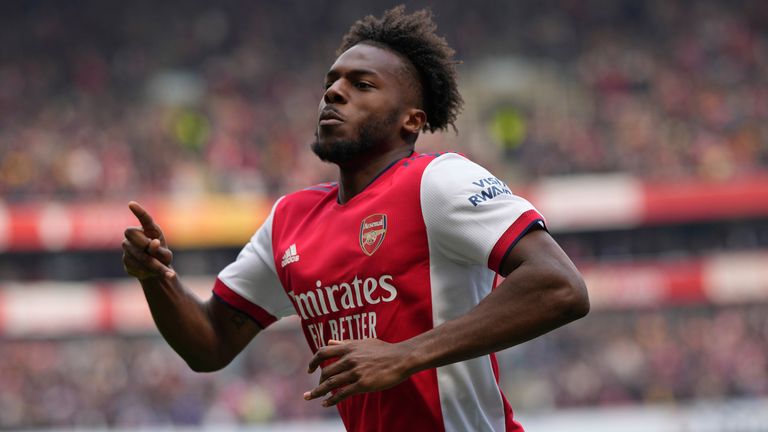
(262, 317)
(342, 292)
(511, 425)
(343, 288)
(511, 236)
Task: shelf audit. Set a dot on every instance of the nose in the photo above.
(334, 93)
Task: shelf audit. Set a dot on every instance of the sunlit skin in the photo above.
(368, 117)
(368, 86)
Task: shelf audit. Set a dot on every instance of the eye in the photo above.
(327, 85)
(363, 85)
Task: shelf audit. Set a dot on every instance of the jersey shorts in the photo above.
(420, 245)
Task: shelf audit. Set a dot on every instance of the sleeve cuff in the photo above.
(511, 236)
(263, 318)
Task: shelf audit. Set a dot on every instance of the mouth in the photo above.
(329, 117)
(330, 122)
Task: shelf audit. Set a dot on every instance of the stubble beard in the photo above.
(370, 135)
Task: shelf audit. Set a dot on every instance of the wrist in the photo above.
(150, 281)
(413, 360)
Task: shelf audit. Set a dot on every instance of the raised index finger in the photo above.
(142, 215)
(149, 225)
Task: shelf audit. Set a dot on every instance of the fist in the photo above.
(145, 253)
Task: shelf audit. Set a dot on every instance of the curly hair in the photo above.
(413, 37)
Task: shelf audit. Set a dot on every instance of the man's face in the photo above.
(362, 106)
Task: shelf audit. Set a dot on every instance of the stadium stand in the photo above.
(640, 129)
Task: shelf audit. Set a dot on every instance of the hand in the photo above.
(145, 253)
(362, 366)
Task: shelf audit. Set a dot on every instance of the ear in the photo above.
(414, 120)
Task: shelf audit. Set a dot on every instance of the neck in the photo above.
(355, 176)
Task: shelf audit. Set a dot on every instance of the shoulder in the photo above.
(452, 178)
(418, 165)
(308, 197)
(422, 160)
(442, 162)
(452, 170)
(444, 173)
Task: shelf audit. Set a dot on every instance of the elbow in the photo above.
(203, 367)
(572, 297)
(206, 364)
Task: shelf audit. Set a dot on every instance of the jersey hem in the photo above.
(224, 293)
(511, 236)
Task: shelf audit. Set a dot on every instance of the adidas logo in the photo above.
(290, 256)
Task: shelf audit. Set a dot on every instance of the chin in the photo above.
(325, 149)
(325, 144)
(337, 150)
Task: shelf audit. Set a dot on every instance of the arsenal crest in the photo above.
(372, 231)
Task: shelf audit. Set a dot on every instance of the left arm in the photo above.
(542, 291)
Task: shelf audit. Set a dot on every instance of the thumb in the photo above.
(157, 250)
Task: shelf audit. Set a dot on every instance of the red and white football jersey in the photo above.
(419, 246)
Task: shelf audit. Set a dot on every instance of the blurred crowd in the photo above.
(668, 355)
(674, 90)
(609, 358)
(135, 382)
(117, 99)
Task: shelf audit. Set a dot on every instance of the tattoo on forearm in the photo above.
(239, 319)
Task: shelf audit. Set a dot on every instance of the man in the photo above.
(392, 269)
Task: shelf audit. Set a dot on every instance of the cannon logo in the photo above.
(372, 232)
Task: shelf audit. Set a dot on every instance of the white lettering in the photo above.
(341, 329)
(372, 325)
(334, 326)
(357, 323)
(321, 297)
(347, 301)
(313, 335)
(329, 290)
(357, 326)
(356, 284)
(388, 287)
(369, 286)
(303, 302)
(358, 293)
(373, 224)
(348, 319)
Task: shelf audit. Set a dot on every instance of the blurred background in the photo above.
(638, 128)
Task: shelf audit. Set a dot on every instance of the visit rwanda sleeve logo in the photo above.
(372, 231)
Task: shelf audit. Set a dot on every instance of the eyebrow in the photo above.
(354, 72)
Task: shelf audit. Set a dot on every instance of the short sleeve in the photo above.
(471, 216)
(250, 284)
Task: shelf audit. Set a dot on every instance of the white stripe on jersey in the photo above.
(461, 233)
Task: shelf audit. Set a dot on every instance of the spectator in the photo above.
(670, 91)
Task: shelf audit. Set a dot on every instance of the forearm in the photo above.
(527, 304)
(534, 299)
(183, 320)
(207, 335)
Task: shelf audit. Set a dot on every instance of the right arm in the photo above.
(206, 334)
